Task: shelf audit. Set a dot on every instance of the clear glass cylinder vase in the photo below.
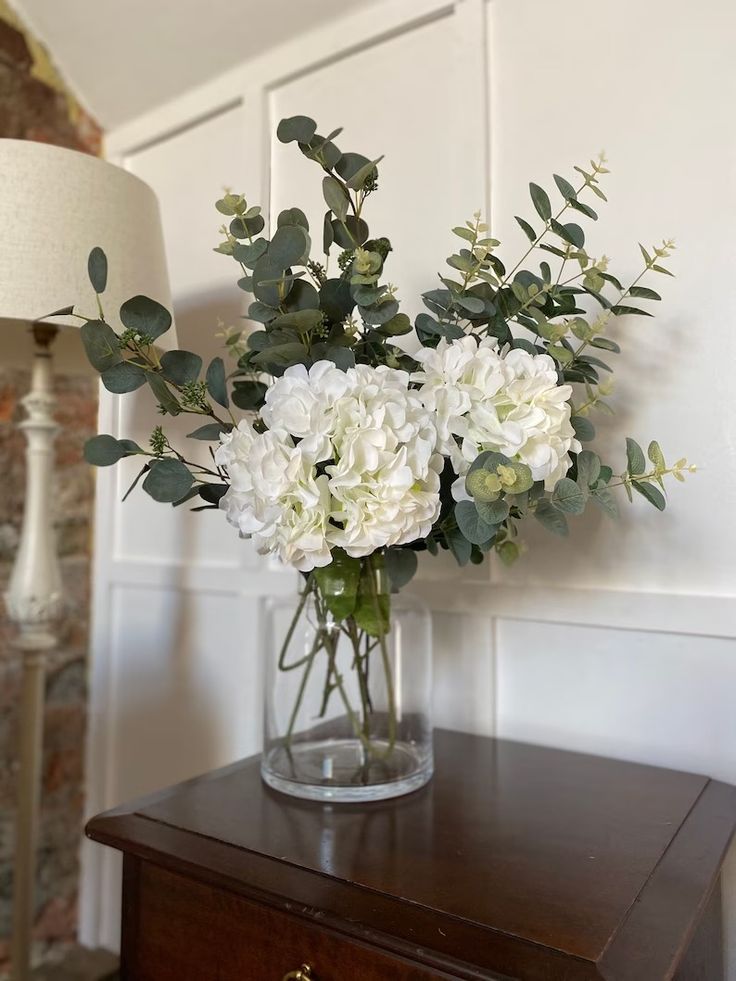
(347, 709)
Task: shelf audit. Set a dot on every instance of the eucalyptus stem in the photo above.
(390, 693)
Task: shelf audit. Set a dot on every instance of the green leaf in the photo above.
(459, 546)
(249, 395)
(335, 196)
(269, 281)
(163, 393)
(125, 376)
(526, 229)
(606, 344)
(606, 501)
(643, 292)
(552, 519)
(570, 232)
(289, 247)
(652, 494)
(180, 367)
(568, 497)
(281, 356)
(250, 253)
(635, 457)
(104, 450)
(655, 454)
(621, 309)
(336, 299)
(299, 128)
(342, 357)
(540, 200)
(589, 468)
(584, 209)
(401, 565)
(508, 552)
(145, 316)
(168, 481)
(584, 428)
(493, 512)
(373, 606)
(338, 583)
(301, 320)
(351, 233)
(358, 179)
(381, 313)
(565, 188)
(101, 344)
(292, 216)
(396, 326)
(470, 523)
(328, 235)
(349, 164)
(97, 269)
(212, 431)
(216, 382)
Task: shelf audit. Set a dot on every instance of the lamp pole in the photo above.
(34, 602)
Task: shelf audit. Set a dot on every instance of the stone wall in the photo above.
(34, 104)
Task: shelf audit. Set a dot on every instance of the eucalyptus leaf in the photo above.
(103, 451)
(584, 428)
(292, 216)
(552, 519)
(568, 497)
(180, 367)
(123, 377)
(212, 431)
(589, 468)
(163, 393)
(97, 269)
(336, 197)
(526, 228)
(541, 203)
(471, 524)
(289, 246)
(651, 493)
(248, 395)
(336, 299)
(338, 583)
(401, 566)
(296, 128)
(493, 512)
(101, 344)
(565, 188)
(635, 457)
(145, 316)
(216, 382)
(168, 480)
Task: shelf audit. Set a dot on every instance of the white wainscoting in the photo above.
(620, 640)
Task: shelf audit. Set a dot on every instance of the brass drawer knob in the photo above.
(303, 974)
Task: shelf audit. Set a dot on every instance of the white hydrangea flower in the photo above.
(275, 496)
(509, 403)
(349, 460)
(385, 478)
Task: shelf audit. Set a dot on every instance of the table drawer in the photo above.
(178, 929)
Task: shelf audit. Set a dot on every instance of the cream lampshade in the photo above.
(56, 205)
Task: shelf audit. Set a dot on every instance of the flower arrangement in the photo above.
(355, 450)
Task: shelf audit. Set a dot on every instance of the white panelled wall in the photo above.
(620, 640)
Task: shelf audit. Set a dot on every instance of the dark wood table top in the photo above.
(512, 853)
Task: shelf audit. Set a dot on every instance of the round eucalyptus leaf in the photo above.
(401, 565)
(301, 320)
(299, 128)
(381, 313)
(568, 497)
(216, 382)
(97, 269)
(349, 164)
(293, 216)
(351, 233)
(267, 275)
(474, 528)
(103, 451)
(168, 481)
(180, 367)
(145, 316)
(125, 376)
(288, 246)
(336, 299)
(101, 344)
(336, 197)
(302, 296)
(250, 252)
(494, 512)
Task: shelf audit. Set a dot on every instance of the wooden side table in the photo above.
(515, 862)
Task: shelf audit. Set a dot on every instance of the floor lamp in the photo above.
(55, 206)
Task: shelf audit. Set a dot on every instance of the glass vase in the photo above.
(348, 709)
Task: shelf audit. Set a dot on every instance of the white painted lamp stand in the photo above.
(56, 205)
(34, 602)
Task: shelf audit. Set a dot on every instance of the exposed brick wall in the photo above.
(34, 104)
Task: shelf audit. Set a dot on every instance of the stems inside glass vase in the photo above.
(376, 731)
